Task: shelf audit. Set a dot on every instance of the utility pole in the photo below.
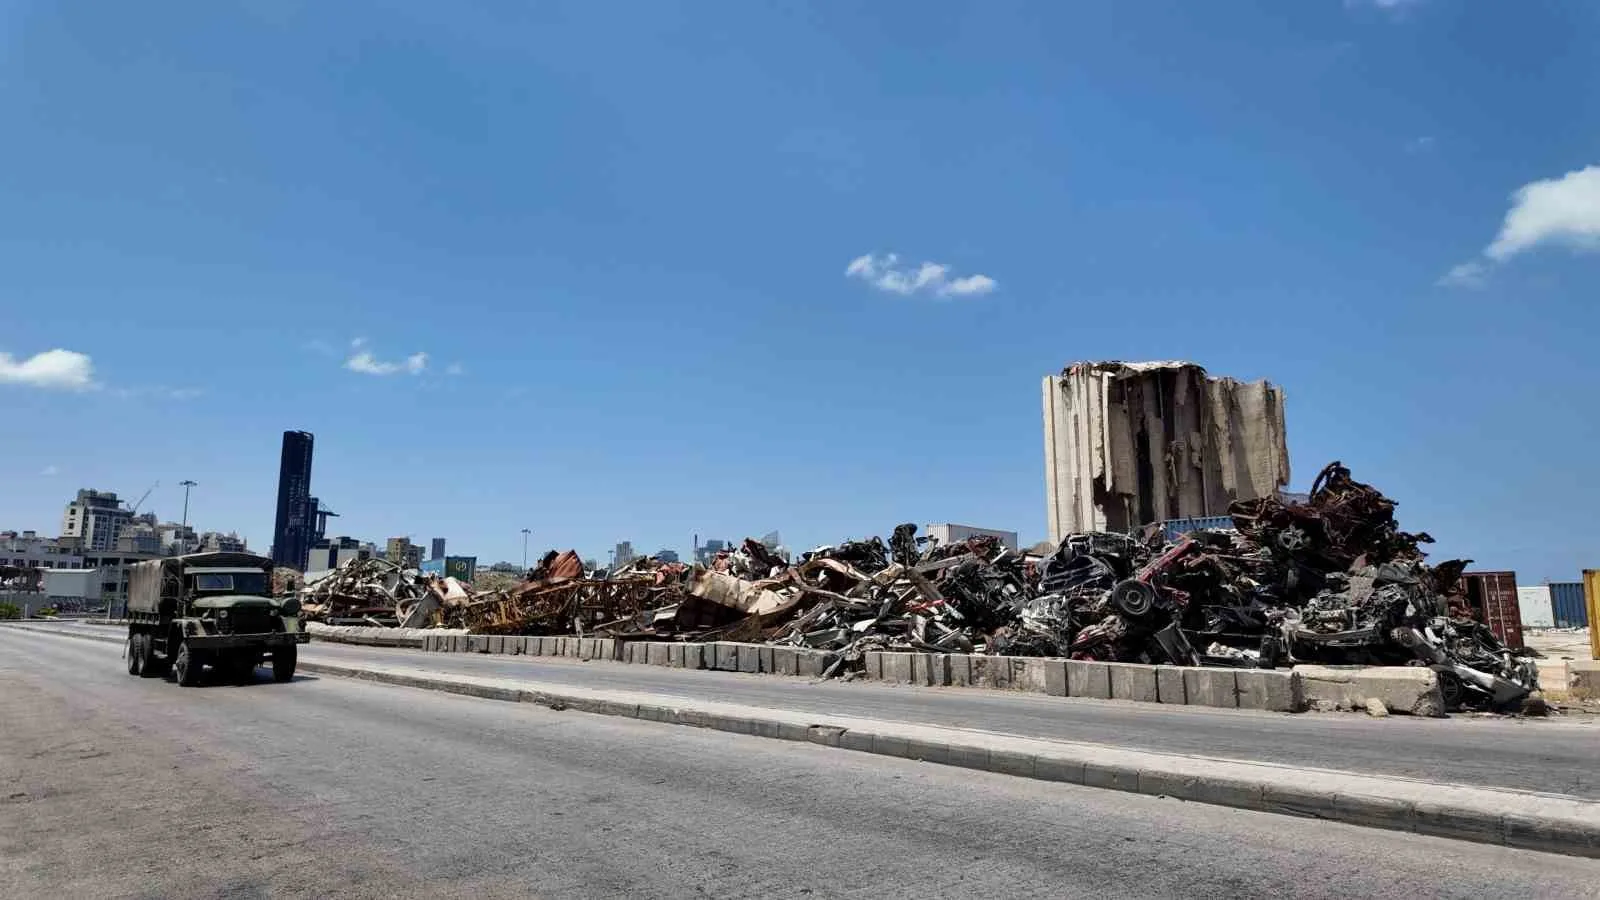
(525, 533)
(187, 484)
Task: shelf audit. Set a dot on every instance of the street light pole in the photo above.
(187, 484)
(525, 533)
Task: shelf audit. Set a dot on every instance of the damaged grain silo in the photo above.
(1127, 444)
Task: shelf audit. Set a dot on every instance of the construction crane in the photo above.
(135, 508)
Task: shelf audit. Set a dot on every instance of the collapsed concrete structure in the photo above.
(1127, 444)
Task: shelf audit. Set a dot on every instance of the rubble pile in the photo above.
(1333, 580)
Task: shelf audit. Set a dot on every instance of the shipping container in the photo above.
(1174, 528)
(1533, 604)
(1567, 606)
(1493, 598)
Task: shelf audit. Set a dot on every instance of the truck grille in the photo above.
(248, 621)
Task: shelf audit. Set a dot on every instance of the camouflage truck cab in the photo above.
(210, 609)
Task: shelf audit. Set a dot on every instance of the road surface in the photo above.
(119, 786)
(1554, 756)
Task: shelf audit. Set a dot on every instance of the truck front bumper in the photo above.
(226, 641)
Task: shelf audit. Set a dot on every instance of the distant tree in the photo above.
(47, 611)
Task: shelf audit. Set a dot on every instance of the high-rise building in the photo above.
(438, 549)
(95, 519)
(623, 554)
(1128, 444)
(292, 532)
(217, 542)
(705, 553)
(331, 553)
(402, 552)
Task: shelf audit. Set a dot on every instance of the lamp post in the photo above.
(525, 533)
(187, 484)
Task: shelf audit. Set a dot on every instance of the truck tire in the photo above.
(283, 660)
(149, 666)
(135, 654)
(187, 666)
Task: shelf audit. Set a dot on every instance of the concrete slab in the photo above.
(930, 669)
(658, 654)
(897, 668)
(1403, 689)
(874, 665)
(812, 663)
(1271, 690)
(749, 659)
(726, 658)
(766, 661)
(1132, 681)
(477, 643)
(1088, 679)
(990, 671)
(1583, 679)
(960, 669)
(784, 661)
(694, 656)
(1031, 673)
(1211, 687)
(1055, 678)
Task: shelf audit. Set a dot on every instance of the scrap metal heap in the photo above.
(1333, 580)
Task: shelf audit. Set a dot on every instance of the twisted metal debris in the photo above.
(1332, 580)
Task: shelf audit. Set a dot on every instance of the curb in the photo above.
(1541, 822)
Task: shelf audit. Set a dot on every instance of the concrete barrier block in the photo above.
(897, 667)
(930, 669)
(1132, 681)
(497, 643)
(694, 656)
(1402, 689)
(514, 644)
(765, 659)
(990, 671)
(606, 649)
(1583, 679)
(726, 658)
(675, 655)
(478, 643)
(657, 654)
(749, 659)
(873, 662)
(812, 663)
(1211, 687)
(785, 661)
(1031, 673)
(1088, 679)
(546, 646)
(960, 669)
(1169, 685)
(1055, 678)
(1271, 690)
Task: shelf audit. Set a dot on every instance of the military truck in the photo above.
(210, 609)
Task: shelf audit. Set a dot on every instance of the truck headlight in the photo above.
(222, 614)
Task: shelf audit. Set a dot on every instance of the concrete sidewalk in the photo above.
(1547, 822)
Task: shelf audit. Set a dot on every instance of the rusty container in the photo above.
(1493, 597)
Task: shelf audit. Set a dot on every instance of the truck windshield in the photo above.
(230, 583)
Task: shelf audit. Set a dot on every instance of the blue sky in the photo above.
(620, 234)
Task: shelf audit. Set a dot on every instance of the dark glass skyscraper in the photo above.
(291, 535)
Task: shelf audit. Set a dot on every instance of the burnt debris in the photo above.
(1333, 580)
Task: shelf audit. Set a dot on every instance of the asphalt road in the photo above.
(117, 786)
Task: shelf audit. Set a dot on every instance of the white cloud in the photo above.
(886, 274)
(453, 369)
(50, 471)
(1563, 210)
(367, 363)
(1420, 144)
(58, 369)
(1466, 275)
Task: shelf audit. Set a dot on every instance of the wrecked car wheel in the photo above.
(1292, 538)
(1450, 689)
(1134, 598)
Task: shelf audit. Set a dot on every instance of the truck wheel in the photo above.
(135, 654)
(187, 666)
(283, 660)
(149, 666)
